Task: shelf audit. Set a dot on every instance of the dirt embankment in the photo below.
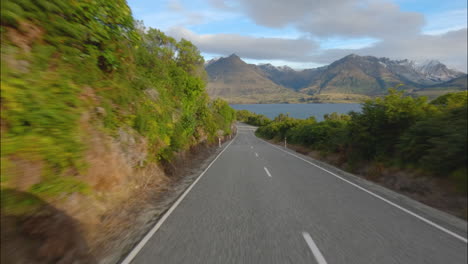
(41, 234)
(435, 192)
(128, 194)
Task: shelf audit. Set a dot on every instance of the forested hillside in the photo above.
(92, 103)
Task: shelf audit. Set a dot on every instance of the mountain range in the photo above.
(238, 82)
(349, 79)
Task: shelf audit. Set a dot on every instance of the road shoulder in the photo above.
(452, 223)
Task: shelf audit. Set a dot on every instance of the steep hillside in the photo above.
(406, 71)
(238, 82)
(433, 91)
(92, 108)
(437, 72)
(373, 76)
(353, 75)
(288, 77)
(457, 83)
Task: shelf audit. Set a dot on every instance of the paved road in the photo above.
(259, 204)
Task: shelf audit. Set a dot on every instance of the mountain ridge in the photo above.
(351, 75)
(233, 79)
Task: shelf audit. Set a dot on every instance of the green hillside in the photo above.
(80, 78)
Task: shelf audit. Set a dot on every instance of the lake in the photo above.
(298, 110)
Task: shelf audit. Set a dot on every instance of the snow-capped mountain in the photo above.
(353, 74)
(436, 71)
(212, 61)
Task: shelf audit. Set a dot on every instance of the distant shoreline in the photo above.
(301, 111)
(295, 103)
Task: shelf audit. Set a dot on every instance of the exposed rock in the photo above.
(134, 146)
(101, 111)
(152, 94)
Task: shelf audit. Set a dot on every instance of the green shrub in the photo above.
(252, 118)
(395, 129)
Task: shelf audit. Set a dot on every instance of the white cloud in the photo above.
(379, 20)
(175, 6)
(346, 18)
(221, 4)
(174, 13)
(446, 21)
(311, 32)
(249, 47)
(449, 48)
(389, 31)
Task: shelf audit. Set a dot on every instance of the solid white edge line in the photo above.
(267, 172)
(443, 229)
(313, 247)
(161, 221)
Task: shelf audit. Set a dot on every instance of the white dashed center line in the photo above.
(313, 247)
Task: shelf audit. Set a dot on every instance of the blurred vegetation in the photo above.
(396, 130)
(62, 59)
(251, 118)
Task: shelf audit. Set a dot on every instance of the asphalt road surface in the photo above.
(259, 203)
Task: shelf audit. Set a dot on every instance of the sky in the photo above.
(312, 33)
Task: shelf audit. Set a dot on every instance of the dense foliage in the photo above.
(397, 130)
(63, 59)
(252, 118)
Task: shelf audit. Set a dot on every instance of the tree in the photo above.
(375, 131)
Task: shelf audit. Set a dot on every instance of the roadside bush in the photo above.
(252, 118)
(396, 129)
(375, 131)
(438, 142)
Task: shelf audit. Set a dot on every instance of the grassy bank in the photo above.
(67, 65)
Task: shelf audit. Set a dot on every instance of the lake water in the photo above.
(298, 110)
